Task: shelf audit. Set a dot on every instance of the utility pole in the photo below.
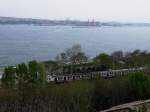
(113, 62)
(71, 67)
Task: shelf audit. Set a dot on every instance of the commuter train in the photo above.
(61, 78)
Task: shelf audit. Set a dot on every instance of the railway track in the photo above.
(104, 74)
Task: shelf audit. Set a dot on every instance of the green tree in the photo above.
(33, 71)
(9, 76)
(104, 60)
(41, 74)
(139, 84)
(22, 72)
(136, 52)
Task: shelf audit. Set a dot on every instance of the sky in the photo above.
(100, 10)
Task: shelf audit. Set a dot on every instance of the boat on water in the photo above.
(85, 26)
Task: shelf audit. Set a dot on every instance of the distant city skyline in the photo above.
(99, 10)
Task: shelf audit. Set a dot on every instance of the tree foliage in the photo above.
(73, 55)
(103, 60)
(8, 78)
(78, 96)
(31, 73)
(139, 83)
(22, 73)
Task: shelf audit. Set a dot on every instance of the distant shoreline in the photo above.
(76, 23)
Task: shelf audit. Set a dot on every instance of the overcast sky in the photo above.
(102, 10)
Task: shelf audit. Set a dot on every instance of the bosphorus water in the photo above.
(21, 43)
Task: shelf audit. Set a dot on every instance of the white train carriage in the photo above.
(70, 78)
(59, 79)
(90, 75)
(50, 78)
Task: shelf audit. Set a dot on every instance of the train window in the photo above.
(107, 74)
(64, 78)
(56, 79)
(104, 74)
(80, 76)
(73, 77)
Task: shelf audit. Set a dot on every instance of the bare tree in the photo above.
(73, 55)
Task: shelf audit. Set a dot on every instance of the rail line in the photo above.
(104, 74)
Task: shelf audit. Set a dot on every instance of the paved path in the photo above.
(126, 106)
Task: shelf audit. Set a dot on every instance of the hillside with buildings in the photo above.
(67, 22)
